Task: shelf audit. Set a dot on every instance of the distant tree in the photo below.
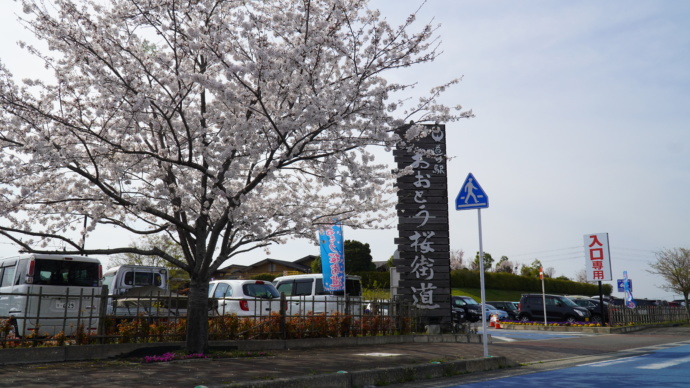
(674, 266)
(531, 270)
(316, 265)
(563, 277)
(488, 262)
(504, 265)
(146, 244)
(357, 258)
(549, 272)
(389, 263)
(456, 256)
(581, 276)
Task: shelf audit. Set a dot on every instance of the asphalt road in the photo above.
(667, 367)
(649, 358)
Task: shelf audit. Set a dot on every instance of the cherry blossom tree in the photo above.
(674, 266)
(223, 125)
(456, 256)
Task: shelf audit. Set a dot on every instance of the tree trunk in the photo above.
(197, 317)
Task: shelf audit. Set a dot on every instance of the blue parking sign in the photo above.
(621, 285)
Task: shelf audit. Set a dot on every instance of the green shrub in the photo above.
(264, 276)
(374, 279)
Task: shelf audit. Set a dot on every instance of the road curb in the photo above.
(101, 352)
(384, 376)
(580, 329)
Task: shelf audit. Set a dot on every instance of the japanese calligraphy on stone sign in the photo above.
(597, 258)
(423, 242)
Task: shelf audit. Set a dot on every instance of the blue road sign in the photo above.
(621, 284)
(471, 195)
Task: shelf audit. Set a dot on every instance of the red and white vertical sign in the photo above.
(597, 257)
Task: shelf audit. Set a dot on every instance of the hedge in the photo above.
(505, 281)
(465, 278)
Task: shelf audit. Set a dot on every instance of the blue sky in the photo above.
(582, 126)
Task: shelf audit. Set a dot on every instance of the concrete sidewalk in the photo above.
(351, 366)
(333, 363)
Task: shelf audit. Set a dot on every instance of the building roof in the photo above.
(290, 264)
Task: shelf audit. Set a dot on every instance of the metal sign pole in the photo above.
(472, 196)
(481, 285)
(543, 293)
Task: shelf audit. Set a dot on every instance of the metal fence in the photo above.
(621, 315)
(39, 318)
(95, 317)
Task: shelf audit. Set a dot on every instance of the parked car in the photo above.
(136, 290)
(467, 306)
(558, 308)
(305, 293)
(48, 294)
(508, 307)
(247, 298)
(491, 310)
(593, 306)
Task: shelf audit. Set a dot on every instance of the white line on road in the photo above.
(612, 362)
(506, 339)
(666, 364)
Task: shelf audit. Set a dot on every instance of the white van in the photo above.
(123, 278)
(305, 293)
(134, 290)
(47, 294)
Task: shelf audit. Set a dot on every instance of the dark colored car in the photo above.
(594, 310)
(558, 309)
(467, 306)
(508, 307)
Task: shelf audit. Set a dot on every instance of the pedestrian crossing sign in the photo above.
(471, 195)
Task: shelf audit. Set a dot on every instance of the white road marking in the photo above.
(666, 364)
(507, 339)
(612, 362)
(379, 354)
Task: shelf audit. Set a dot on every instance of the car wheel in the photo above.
(596, 319)
(570, 319)
(525, 318)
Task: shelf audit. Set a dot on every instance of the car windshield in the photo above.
(469, 301)
(569, 302)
